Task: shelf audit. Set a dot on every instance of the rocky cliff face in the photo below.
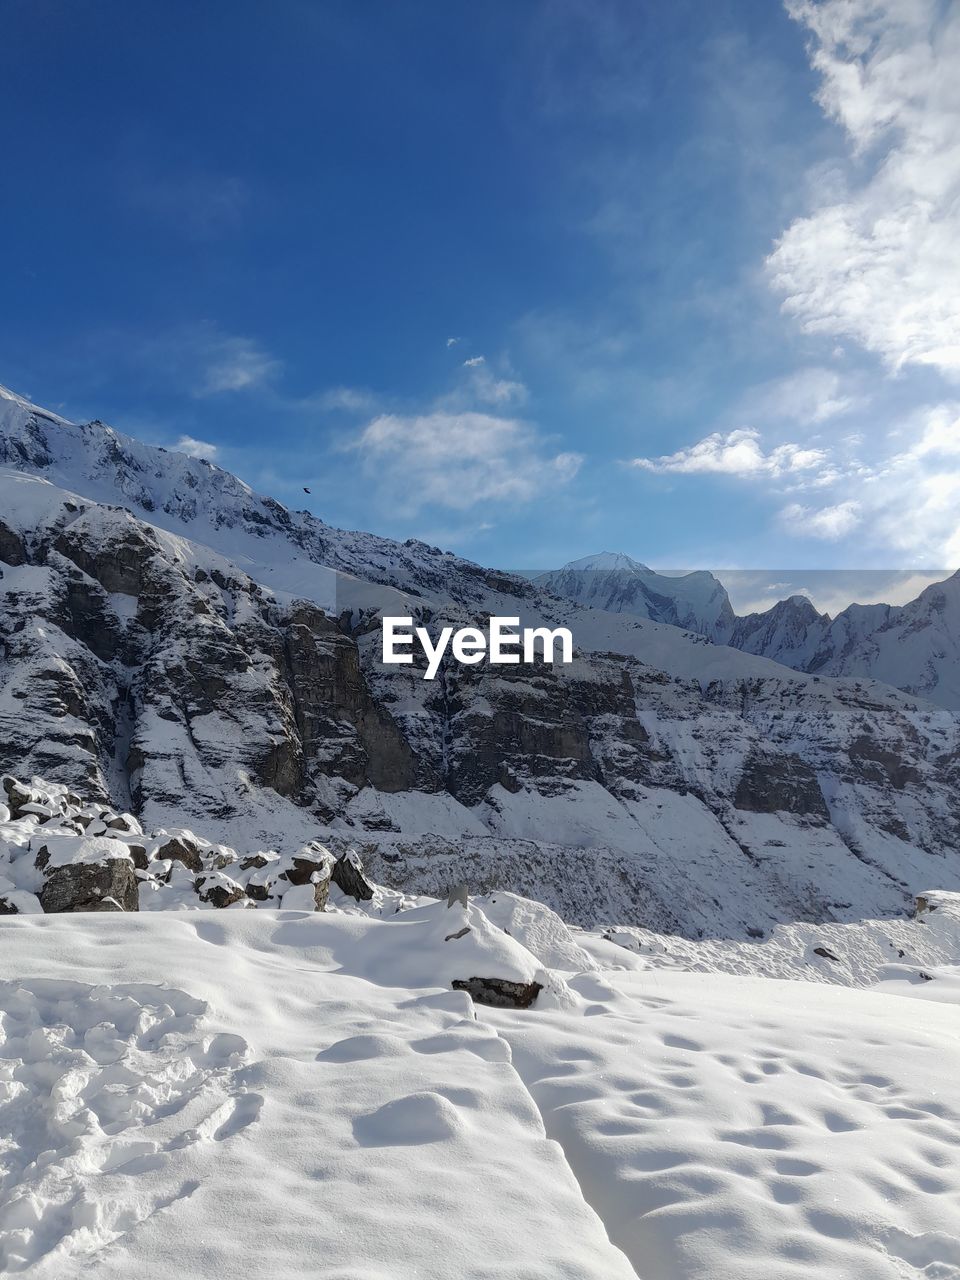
(658, 780)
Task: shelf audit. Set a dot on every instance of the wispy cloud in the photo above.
(459, 460)
(196, 448)
(342, 399)
(234, 364)
(474, 362)
(200, 205)
(829, 523)
(876, 261)
(493, 390)
(736, 453)
(809, 396)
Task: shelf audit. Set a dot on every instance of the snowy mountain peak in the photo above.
(617, 583)
(608, 560)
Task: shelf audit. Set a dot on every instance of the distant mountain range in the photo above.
(176, 645)
(915, 647)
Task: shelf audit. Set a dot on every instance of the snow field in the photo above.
(100, 1085)
(394, 1138)
(278, 1094)
(729, 1127)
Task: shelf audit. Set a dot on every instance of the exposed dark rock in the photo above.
(85, 886)
(780, 784)
(498, 992)
(254, 861)
(138, 853)
(180, 848)
(881, 763)
(17, 795)
(119, 567)
(124, 822)
(219, 891)
(341, 727)
(348, 876)
(12, 550)
(312, 865)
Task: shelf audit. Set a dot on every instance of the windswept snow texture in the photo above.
(377, 1131)
(279, 1094)
(103, 1086)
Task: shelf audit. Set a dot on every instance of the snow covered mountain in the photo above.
(618, 584)
(915, 647)
(180, 647)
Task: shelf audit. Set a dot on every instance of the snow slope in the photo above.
(274, 1094)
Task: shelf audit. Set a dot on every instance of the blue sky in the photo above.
(528, 280)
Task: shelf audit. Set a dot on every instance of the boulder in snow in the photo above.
(348, 876)
(86, 886)
(499, 992)
(217, 889)
(181, 846)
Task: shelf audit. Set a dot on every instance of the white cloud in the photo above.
(915, 494)
(736, 453)
(809, 396)
(489, 389)
(452, 342)
(235, 364)
(196, 448)
(876, 260)
(348, 399)
(458, 460)
(829, 523)
(906, 504)
(480, 385)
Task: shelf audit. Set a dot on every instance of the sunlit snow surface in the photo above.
(250, 1093)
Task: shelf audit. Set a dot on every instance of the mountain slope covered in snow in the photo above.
(177, 646)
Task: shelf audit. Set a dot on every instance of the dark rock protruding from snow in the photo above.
(498, 992)
(217, 889)
(181, 848)
(348, 876)
(86, 886)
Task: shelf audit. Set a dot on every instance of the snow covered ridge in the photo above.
(59, 853)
